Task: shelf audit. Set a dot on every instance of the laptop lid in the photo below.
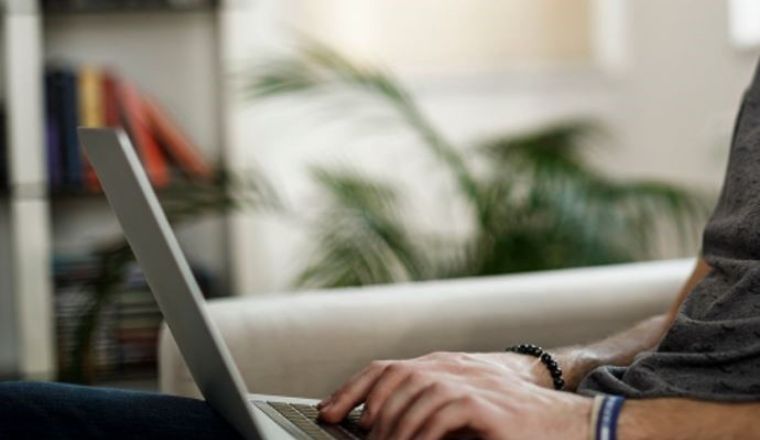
(168, 274)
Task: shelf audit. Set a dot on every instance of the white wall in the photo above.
(670, 112)
(679, 97)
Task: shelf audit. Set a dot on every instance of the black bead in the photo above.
(559, 384)
(534, 350)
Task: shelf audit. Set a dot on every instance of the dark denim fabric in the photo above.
(44, 410)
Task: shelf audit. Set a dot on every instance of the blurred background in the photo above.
(330, 143)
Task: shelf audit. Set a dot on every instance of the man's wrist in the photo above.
(576, 362)
(546, 359)
(567, 359)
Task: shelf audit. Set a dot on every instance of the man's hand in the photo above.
(499, 395)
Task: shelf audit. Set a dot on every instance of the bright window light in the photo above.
(744, 22)
(471, 35)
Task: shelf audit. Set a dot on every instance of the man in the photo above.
(701, 379)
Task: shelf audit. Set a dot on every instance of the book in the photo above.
(53, 128)
(124, 341)
(177, 146)
(91, 114)
(96, 97)
(139, 129)
(90, 97)
(110, 107)
(70, 121)
(125, 338)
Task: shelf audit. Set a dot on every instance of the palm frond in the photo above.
(319, 69)
(538, 205)
(555, 148)
(360, 237)
(225, 191)
(543, 176)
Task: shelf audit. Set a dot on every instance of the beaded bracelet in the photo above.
(534, 350)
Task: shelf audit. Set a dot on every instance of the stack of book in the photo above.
(95, 97)
(125, 333)
(73, 304)
(136, 322)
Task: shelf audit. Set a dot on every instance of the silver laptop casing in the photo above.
(168, 274)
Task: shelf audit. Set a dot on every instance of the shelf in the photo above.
(176, 189)
(66, 194)
(127, 6)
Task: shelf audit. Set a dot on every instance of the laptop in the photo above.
(168, 274)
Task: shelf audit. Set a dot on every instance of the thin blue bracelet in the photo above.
(606, 421)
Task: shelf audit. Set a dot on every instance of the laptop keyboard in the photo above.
(306, 418)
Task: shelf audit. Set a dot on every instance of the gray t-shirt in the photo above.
(712, 351)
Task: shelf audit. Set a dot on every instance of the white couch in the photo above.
(305, 344)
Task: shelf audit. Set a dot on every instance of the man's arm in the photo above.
(688, 419)
(621, 348)
(381, 379)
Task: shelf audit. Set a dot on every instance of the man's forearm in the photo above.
(620, 349)
(688, 419)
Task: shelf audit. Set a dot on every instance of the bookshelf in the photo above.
(177, 55)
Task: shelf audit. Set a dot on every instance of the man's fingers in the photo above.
(387, 385)
(421, 407)
(404, 395)
(352, 393)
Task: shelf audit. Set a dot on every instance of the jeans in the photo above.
(42, 410)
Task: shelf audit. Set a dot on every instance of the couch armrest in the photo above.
(306, 344)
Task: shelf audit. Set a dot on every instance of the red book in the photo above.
(110, 101)
(139, 128)
(175, 143)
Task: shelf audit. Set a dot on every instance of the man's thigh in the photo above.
(52, 410)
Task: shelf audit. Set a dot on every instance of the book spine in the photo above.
(70, 114)
(54, 128)
(175, 143)
(91, 114)
(110, 104)
(138, 126)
